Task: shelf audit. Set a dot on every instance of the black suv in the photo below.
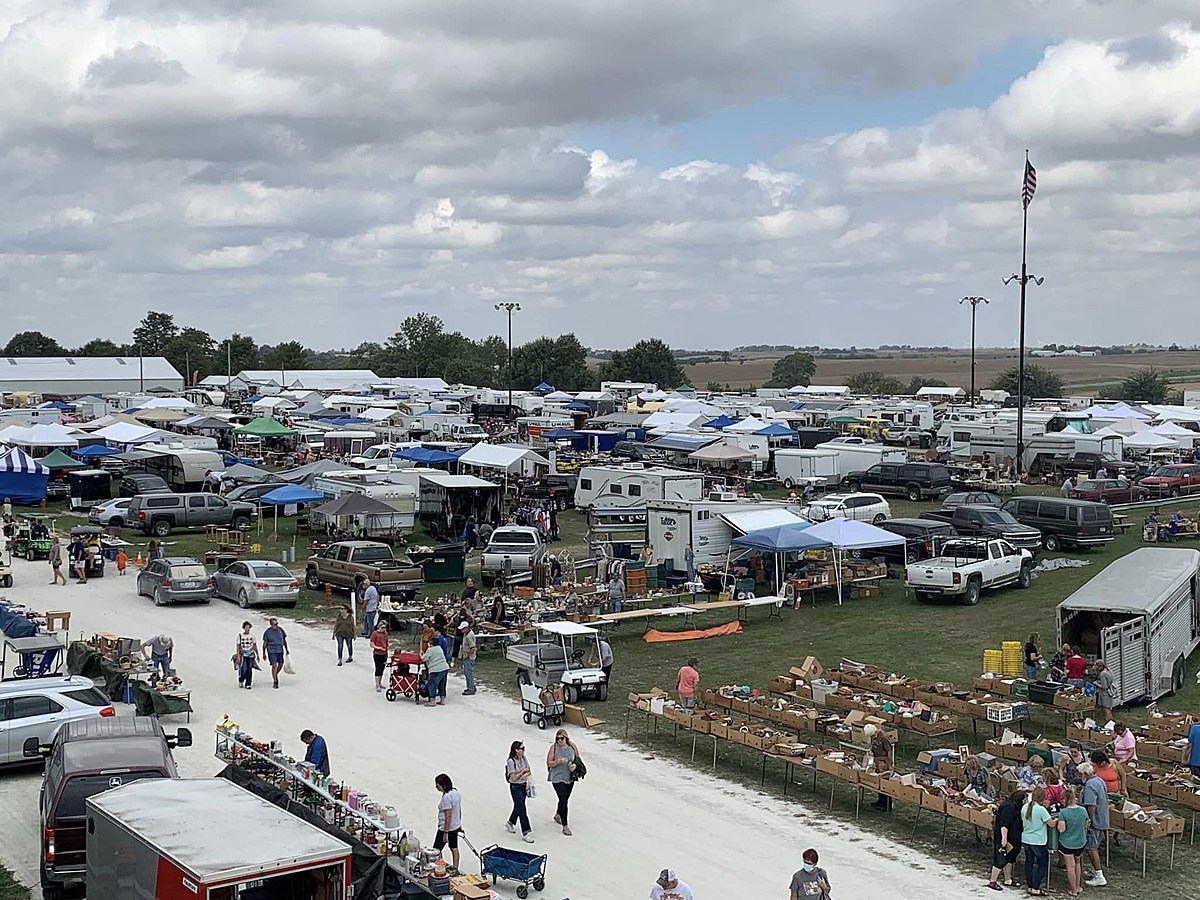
(560, 489)
(89, 756)
(135, 483)
(914, 480)
(923, 539)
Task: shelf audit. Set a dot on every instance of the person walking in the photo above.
(470, 649)
(78, 554)
(1193, 742)
(1094, 798)
(560, 761)
(161, 648)
(1072, 839)
(275, 646)
(604, 649)
(438, 668)
(343, 633)
(516, 773)
(245, 655)
(122, 561)
(370, 599)
(668, 887)
(1006, 840)
(317, 753)
(811, 880)
(56, 563)
(1106, 689)
(1035, 820)
(379, 653)
(154, 551)
(449, 817)
(687, 681)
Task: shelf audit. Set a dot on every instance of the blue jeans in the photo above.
(614, 604)
(369, 623)
(469, 671)
(1037, 860)
(1030, 672)
(246, 670)
(160, 662)
(347, 644)
(518, 814)
(437, 685)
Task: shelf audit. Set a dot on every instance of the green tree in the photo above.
(192, 351)
(920, 381)
(99, 347)
(238, 351)
(154, 334)
(874, 383)
(288, 355)
(713, 387)
(793, 369)
(650, 360)
(560, 361)
(33, 343)
(1147, 385)
(1039, 382)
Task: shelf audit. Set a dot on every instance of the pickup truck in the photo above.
(515, 546)
(346, 563)
(972, 520)
(559, 489)
(967, 567)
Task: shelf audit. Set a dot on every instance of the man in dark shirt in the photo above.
(317, 753)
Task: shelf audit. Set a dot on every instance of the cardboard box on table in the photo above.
(1073, 702)
(908, 793)
(1159, 828)
(932, 801)
(782, 684)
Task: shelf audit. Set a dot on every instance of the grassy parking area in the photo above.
(10, 888)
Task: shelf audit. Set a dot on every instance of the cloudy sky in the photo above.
(711, 173)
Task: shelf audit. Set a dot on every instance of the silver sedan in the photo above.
(257, 582)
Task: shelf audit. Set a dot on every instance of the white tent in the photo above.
(1116, 411)
(165, 403)
(125, 433)
(851, 534)
(690, 405)
(674, 421)
(1129, 426)
(1171, 430)
(1148, 440)
(748, 425)
(47, 435)
(509, 458)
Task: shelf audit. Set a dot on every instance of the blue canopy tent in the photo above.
(428, 455)
(22, 478)
(776, 430)
(95, 451)
(578, 406)
(544, 388)
(286, 495)
(780, 540)
(721, 421)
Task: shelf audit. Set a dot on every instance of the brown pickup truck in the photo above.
(346, 563)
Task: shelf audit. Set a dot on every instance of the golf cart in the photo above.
(93, 538)
(557, 657)
(32, 539)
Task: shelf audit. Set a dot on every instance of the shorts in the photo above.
(1074, 851)
(446, 839)
(275, 657)
(687, 702)
(1000, 859)
(1095, 837)
(380, 663)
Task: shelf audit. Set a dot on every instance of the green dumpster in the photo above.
(445, 562)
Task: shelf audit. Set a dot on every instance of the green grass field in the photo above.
(10, 888)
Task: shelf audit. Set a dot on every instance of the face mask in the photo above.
(808, 867)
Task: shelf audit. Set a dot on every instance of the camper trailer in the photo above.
(818, 468)
(1044, 451)
(401, 497)
(633, 484)
(182, 468)
(1141, 616)
(859, 457)
(707, 526)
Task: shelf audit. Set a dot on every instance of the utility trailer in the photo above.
(206, 839)
(1141, 616)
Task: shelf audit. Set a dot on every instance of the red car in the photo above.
(1172, 480)
(1111, 490)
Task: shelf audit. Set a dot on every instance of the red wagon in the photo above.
(406, 677)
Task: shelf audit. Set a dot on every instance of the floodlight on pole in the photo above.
(974, 301)
(509, 308)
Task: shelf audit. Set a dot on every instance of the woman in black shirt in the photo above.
(1006, 839)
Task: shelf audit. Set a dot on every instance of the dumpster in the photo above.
(445, 562)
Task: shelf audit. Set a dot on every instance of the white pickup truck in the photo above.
(966, 567)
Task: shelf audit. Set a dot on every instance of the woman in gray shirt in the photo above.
(560, 760)
(516, 772)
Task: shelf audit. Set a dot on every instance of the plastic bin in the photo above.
(445, 562)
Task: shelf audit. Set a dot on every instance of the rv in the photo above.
(818, 468)
(1141, 616)
(859, 457)
(633, 484)
(182, 468)
(401, 497)
(707, 526)
(1043, 452)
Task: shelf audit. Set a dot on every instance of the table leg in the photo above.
(1171, 864)
(763, 780)
(788, 770)
(1144, 843)
(858, 795)
(975, 728)
(945, 823)
(1107, 846)
(814, 780)
(694, 736)
(626, 721)
(916, 821)
(832, 787)
(714, 751)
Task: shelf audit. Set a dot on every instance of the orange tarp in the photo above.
(660, 637)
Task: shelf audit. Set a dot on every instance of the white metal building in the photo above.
(73, 376)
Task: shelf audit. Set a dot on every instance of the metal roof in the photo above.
(1138, 582)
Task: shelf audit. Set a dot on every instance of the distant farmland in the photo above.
(1082, 374)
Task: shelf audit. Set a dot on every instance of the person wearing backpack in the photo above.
(516, 773)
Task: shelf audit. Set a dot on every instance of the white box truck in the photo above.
(820, 468)
(1141, 616)
(634, 484)
(860, 457)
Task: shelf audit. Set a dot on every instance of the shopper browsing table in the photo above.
(470, 649)
(687, 682)
(370, 599)
(1006, 839)
(1035, 824)
(438, 668)
(1106, 689)
(449, 817)
(161, 648)
(1073, 839)
(317, 753)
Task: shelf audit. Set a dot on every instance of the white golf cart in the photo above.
(557, 657)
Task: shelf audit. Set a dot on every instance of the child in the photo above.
(122, 560)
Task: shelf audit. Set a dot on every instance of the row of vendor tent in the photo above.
(22, 478)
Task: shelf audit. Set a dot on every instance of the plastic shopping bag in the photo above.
(288, 668)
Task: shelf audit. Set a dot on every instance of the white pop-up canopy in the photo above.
(850, 534)
(506, 457)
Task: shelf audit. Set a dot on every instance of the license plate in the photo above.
(1104, 531)
(277, 587)
(189, 584)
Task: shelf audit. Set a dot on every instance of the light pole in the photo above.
(974, 301)
(509, 308)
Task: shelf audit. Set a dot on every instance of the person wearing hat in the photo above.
(470, 648)
(161, 647)
(669, 887)
(1106, 689)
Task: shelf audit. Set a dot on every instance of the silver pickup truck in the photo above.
(512, 550)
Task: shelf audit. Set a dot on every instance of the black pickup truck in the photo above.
(559, 489)
(989, 522)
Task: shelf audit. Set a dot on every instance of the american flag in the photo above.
(1030, 186)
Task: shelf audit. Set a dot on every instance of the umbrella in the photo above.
(94, 451)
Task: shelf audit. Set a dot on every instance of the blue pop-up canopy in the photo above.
(94, 451)
(721, 421)
(287, 494)
(781, 539)
(776, 430)
(427, 455)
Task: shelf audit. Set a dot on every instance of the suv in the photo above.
(142, 483)
(1173, 480)
(863, 507)
(1072, 523)
(38, 707)
(175, 578)
(908, 435)
(157, 514)
(914, 480)
(86, 758)
(923, 539)
(110, 512)
(636, 451)
(560, 489)
(971, 498)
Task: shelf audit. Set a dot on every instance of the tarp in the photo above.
(781, 539)
(578, 406)
(22, 478)
(721, 453)
(56, 459)
(265, 426)
(245, 474)
(309, 471)
(654, 636)
(95, 451)
(287, 494)
(108, 676)
(149, 702)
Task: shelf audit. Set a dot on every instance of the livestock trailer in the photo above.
(1141, 616)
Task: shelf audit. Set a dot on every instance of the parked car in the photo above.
(135, 483)
(559, 489)
(86, 758)
(173, 579)
(636, 451)
(1111, 490)
(110, 512)
(232, 459)
(864, 507)
(913, 480)
(1063, 522)
(346, 563)
(257, 582)
(159, 514)
(989, 522)
(1173, 480)
(250, 493)
(923, 539)
(973, 498)
(965, 568)
(513, 549)
(39, 707)
(908, 435)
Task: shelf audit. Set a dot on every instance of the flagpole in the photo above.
(1028, 188)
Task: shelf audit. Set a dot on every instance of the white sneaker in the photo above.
(1097, 880)
(527, 838)
(510, 827)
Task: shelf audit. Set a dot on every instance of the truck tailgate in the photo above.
(931, 573)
